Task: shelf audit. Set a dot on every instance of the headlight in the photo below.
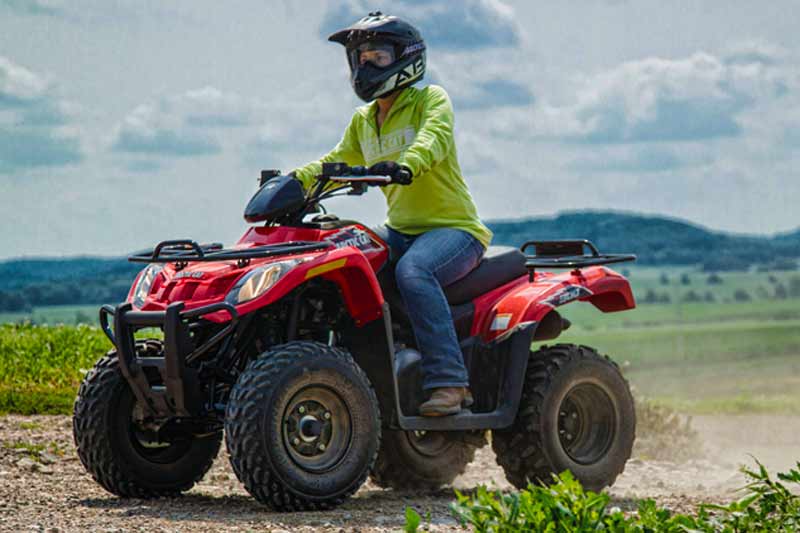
(259, 281)
(144, 284)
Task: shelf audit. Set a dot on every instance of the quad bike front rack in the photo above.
(171, 399)
(567, 254)
(183, 251)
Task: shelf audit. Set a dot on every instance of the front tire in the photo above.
(302, 427)
(117, 454)
(423, 459)
(576, 414)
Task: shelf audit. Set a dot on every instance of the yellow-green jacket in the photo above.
(417, 133)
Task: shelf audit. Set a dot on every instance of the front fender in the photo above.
(524, 304)
(347, 267)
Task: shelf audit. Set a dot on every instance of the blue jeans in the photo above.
(425, 264)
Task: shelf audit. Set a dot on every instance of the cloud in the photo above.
(165, 142)
(660, 100)
(34, 7)
(34, 122)
(19, 87)
(184, 125)
(493, 85)
(490, 93)
(639, 159)
(463, 25)
(754, 52)
(32, 148)
(143, 166)
(209, 108)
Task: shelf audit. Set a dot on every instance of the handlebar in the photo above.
(331, 170)
(341, 172)
(356, 178)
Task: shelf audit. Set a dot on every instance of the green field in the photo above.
(54, 314)
(699, 357)
(722, 356)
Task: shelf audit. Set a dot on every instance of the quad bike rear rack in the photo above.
(183, 251)
(567, 254)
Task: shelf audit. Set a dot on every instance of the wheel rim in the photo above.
(317, 429)
(586, 423)
(429, 443)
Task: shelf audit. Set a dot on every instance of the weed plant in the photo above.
(766, 505)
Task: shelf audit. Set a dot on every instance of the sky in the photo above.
(123, 123)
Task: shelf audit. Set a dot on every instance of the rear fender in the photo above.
(523, 304)
(348, 268)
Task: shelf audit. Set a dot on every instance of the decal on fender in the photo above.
(500, 322)
(355, 237)
(567, 294)
(327, 267)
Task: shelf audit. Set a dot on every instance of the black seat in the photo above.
(500, 265)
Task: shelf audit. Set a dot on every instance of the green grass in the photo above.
(42, 366)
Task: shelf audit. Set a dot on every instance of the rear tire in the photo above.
(576, 414)
(118, 455)
(302, 427)
(423, 460)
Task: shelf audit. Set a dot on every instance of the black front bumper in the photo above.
(169, 399)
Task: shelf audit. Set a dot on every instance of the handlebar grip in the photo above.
(402, 177)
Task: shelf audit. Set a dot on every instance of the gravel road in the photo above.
(53, 493)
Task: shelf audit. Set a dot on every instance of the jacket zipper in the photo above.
(378, 130)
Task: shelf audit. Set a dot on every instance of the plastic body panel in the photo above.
(351, 263)
(502, 311)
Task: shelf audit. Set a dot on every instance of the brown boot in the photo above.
(446, 401)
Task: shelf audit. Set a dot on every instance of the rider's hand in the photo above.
(400, 174)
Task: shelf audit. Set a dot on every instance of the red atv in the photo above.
(296, 343)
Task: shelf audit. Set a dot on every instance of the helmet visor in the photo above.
(378, 54)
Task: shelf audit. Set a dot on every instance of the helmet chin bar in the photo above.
(387, 79)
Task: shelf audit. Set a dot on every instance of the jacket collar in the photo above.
(406, 97)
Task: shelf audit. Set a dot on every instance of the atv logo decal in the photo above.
(356, 238)
(186, 274)
(567, 294)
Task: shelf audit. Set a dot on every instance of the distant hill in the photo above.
(25, 283)
(16, 273)
(655, 240)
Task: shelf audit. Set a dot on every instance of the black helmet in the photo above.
(402, 49)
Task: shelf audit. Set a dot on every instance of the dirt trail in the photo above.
(60, 496)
